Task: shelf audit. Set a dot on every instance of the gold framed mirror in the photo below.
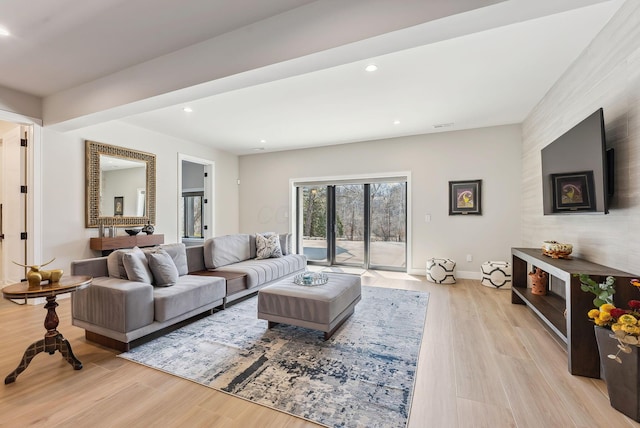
(121, 186)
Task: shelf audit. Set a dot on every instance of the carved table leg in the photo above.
(53, 341)
(33, 350)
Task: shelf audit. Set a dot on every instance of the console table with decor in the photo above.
(107, 245)
(564, 308)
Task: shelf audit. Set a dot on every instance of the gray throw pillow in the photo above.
(178, 253)
(136, 266)
(165, 273)
(115, 264)
(268, 246)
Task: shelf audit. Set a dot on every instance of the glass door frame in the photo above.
(330, 259)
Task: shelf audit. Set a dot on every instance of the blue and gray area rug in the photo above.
(362, 377)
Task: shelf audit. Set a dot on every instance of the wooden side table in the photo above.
(53, 341)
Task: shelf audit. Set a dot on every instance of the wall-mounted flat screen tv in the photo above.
(575, 171)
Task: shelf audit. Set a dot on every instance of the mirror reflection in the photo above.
(122, 187)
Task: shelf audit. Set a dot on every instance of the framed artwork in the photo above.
(118, 205)
(573, 191)
(465, 197)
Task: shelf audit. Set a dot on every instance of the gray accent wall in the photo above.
(607, 75)
(491, 154)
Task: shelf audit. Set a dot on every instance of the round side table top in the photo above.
(66, 284)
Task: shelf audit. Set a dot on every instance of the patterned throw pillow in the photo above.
(267, 246)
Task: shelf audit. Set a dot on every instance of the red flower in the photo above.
(634, 304)
(617, 313)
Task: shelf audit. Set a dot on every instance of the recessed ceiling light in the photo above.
(371, 67)
(396, 122)
(4, 32)
(263, 141)
(187, 109)
(258, 149)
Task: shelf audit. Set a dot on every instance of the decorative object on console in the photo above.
(539, 279)
(617, 331)
(465, 197)
(441, 271)
(148, 228)
(132, 232)
(496, 274)
(35, 275)
(556, 249)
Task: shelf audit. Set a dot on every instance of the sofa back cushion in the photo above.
(225, 250)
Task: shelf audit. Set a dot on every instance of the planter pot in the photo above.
(622, 379)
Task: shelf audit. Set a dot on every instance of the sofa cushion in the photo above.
(178, 253)
(115, 263)
(165, 272)
(137, 267)
(190, 292)
(225, 250)
(267, 246)
(262, 271)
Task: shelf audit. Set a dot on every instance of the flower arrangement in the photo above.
(624, 323)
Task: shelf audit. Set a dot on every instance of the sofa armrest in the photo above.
(115, 304)
(93, 267)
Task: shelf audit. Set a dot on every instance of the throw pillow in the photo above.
(165, 273)
(115, 264)
(178, 253)
(268, 246)
(137, 267)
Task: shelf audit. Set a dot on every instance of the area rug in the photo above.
(362, 377)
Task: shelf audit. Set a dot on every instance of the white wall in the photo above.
(64, 233)
(18, 102)
(491, 154)
(606, 75)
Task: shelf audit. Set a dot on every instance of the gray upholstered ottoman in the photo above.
(323, 307)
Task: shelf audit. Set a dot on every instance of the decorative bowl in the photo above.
(311, 279)
(132, 232)
(556, 249)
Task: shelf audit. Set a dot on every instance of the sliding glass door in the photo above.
(361, 224)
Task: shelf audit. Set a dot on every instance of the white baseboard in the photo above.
(463, 274)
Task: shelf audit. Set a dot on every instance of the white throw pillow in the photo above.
(267, 246)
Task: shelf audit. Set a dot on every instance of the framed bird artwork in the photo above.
(465, 197)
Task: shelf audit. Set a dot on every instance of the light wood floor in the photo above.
(483, 363)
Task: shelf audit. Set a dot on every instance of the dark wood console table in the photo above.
(107, 245)
(573, 327)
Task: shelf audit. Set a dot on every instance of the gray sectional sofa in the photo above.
(120, 313)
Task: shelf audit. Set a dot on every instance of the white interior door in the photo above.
(13, 176)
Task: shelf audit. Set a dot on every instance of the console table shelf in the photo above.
(564, 308)
(106, 245)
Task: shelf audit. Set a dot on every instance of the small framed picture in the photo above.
(573, 191)
(118, 205)
(465, 197)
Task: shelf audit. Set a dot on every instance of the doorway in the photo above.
(362, 224)
(14, 139)
(195, 207)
